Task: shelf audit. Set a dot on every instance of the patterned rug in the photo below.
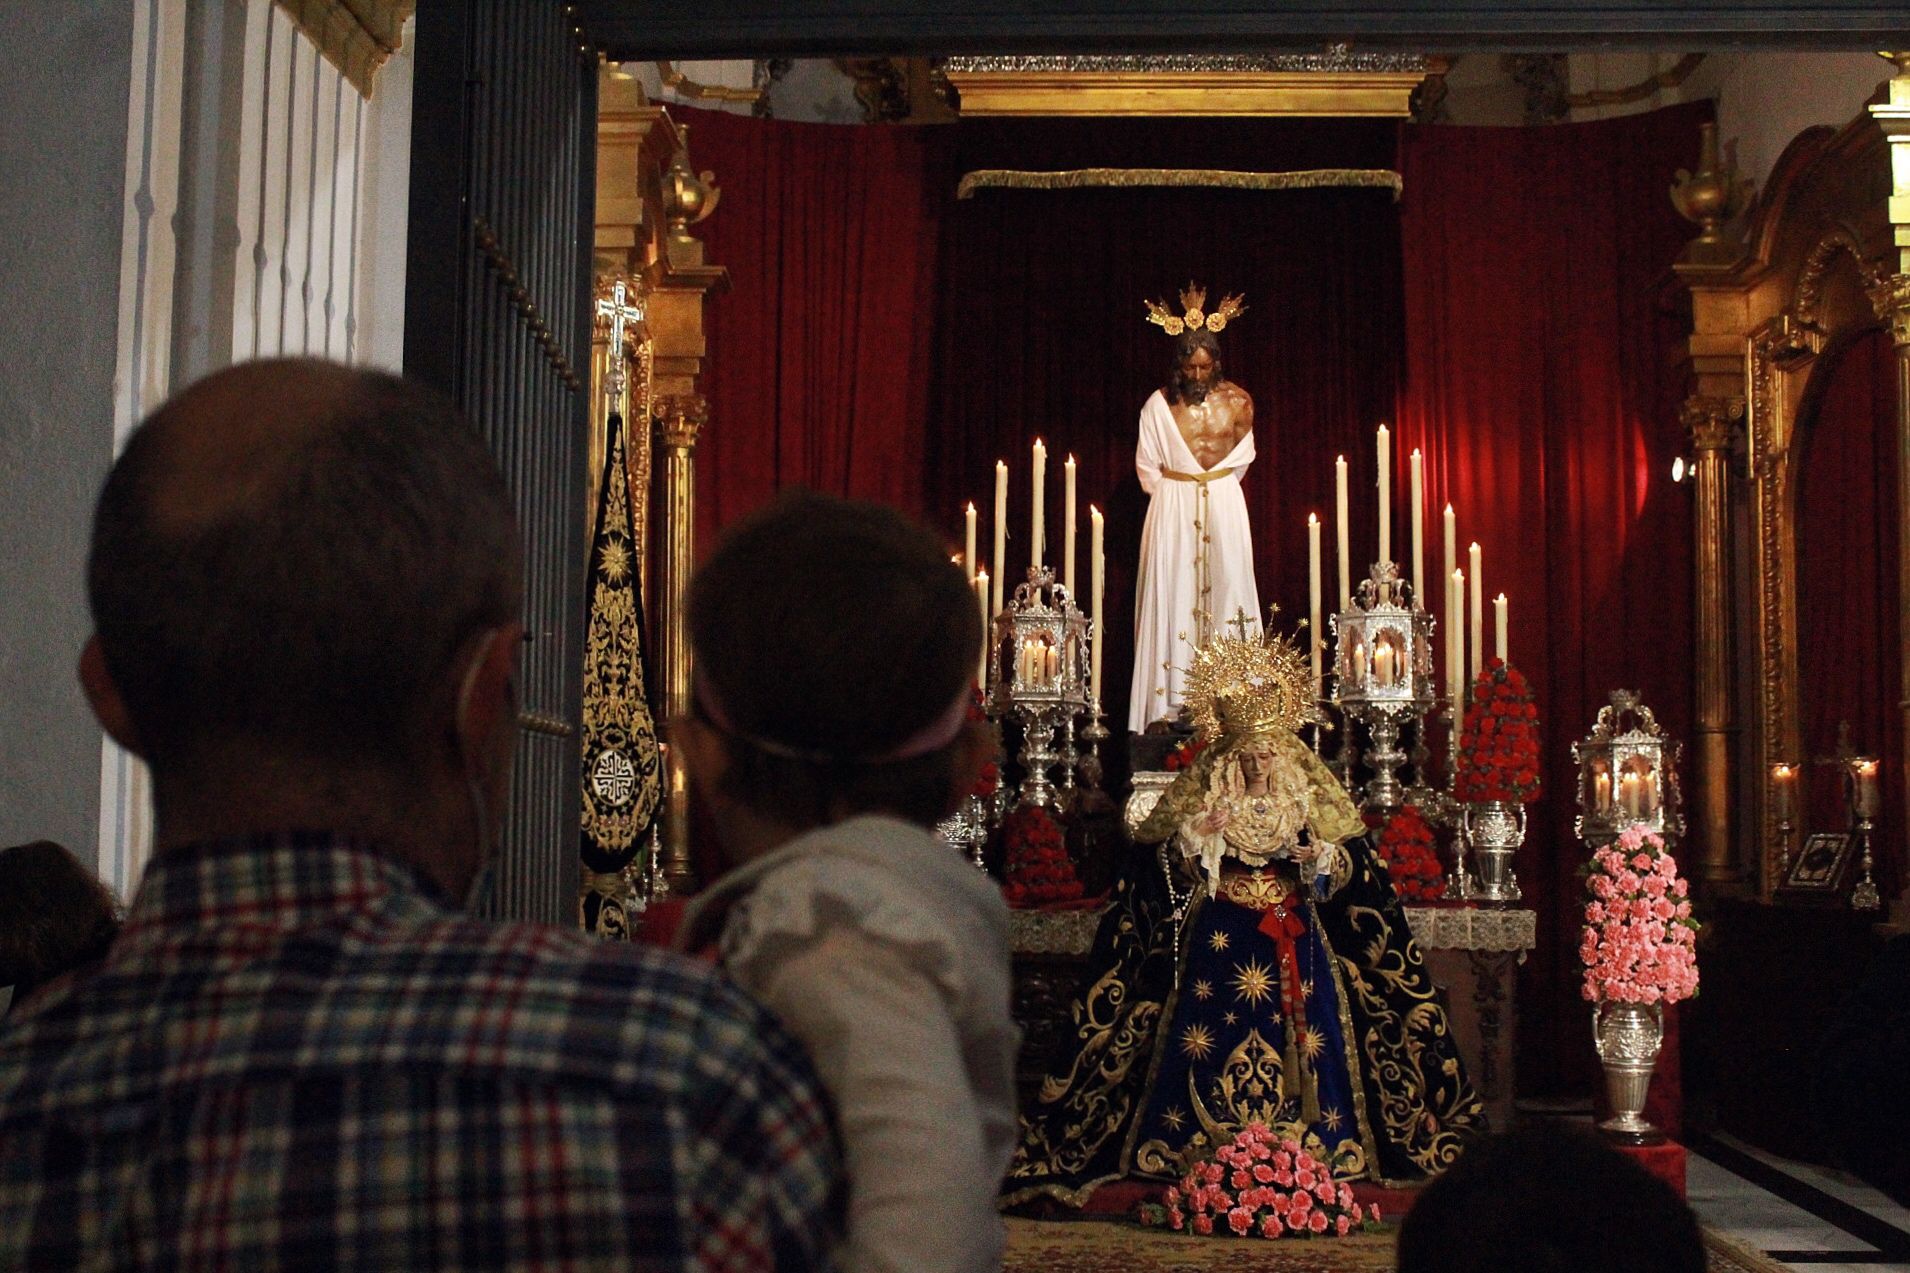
(1101, 1246)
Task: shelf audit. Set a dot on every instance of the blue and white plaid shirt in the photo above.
(298, 1056)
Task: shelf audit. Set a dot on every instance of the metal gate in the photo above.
(497, 296)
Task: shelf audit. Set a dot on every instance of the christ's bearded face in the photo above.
(1195, 376)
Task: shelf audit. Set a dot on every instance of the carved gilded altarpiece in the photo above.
(1817, 269)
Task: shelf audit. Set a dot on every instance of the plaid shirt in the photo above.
(298, 1056)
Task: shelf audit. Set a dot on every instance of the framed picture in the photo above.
(1821, 865)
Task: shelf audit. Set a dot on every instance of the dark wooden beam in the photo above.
(761, 28)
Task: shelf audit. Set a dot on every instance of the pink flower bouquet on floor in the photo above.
(1640, 942)
(1259, 1185)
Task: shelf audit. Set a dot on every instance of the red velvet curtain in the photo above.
(1847, 624)
(820, 352)
(1542, 325)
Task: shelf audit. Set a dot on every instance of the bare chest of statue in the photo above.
(1215, 425)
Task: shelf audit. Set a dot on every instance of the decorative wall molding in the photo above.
(356, 36)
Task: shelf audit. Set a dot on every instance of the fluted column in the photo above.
(680, 419)
(1710, 421)
(1891, 298)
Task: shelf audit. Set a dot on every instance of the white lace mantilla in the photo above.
(1053, 932)
(1469, 928)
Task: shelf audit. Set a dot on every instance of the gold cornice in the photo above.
(683, 86)
(1215, 178)
(1205, 93)
(356, 36)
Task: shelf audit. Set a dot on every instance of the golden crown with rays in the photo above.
(1249, 684)
(1193, 316)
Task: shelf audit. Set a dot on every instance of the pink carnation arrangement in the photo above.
(1259, 1185)
(1640, 942)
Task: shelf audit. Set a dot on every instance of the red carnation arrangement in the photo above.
(1039, 871)
(1499, 740)
(1183, 756)
(1407, 848)
(1259, 1185)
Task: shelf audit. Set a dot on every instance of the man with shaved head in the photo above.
(300, 1053)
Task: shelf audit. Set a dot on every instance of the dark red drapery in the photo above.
(820, 354)
(1847, 625)
(1542, 326)
(1515, 310)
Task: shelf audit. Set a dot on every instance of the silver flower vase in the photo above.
(1628, 1036)
(1494, 831)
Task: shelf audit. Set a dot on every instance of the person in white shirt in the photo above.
(835, 646)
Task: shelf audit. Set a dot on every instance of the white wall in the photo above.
(1766, 99)
(245, 200)
(64, 153)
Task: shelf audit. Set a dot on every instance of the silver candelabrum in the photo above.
(1382, 678)
(1038, 670)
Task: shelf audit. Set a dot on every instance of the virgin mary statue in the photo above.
(1254, 967)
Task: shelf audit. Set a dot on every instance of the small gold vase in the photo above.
(1628, 1036)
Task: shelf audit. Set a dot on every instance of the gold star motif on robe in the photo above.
(1310, 1042)
(1306, 989)
(1203, 989)
(1253, 981)
(1218, 941)
(1230, 1018)
(1173, 1118)
(1331, 1119)
(1197, 1042)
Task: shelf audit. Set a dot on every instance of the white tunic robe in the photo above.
(1176, 585)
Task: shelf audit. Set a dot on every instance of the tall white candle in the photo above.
(1385, 494)
(1316, 635)
(1001, 534)
(1457, 605)
(1067, 529)
(1346, 552)
(1498, 627)
(1461, 683)
(1452, 545)
(981, 601)
(1448, 663)
(1097, 581)
(968, 543)
(1419, 532)
(1040, 480)
(1476, 612)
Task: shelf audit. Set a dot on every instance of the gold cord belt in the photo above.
(1203, 574)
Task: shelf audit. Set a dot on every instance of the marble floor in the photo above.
(1807, 1218)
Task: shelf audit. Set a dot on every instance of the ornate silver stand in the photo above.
(1628, 1036)
(1494, 830)
(1038, 657)
(1382, 678)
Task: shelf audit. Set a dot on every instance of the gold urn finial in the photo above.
(1710, 197)
(688, 196)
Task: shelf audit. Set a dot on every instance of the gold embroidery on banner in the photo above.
(622, 770)
(1178, 178)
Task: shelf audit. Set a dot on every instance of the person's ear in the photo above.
(103, 696)
(486, 707)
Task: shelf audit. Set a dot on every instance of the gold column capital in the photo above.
(1890, 297)
(1711, 419)
(680, 419)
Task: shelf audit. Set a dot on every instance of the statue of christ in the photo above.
(1196, 570)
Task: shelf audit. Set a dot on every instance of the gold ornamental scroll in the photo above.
(1178, 178)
